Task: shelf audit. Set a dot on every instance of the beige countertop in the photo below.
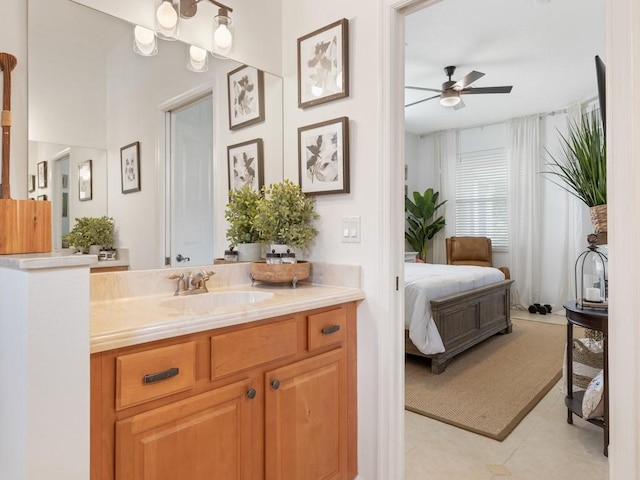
(124, 321)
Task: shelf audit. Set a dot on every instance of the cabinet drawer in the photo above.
(155, 373)
(237, 351)
(326, 328)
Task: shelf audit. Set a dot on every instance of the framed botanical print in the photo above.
(85, 181)
(42, 175)
(246, 165)
(323, 64)
(323, 154)
(246, 96)
(130, 167)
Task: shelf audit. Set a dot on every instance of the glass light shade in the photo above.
(167, 18)
(223, 35)
(144, 41)
(198, 61)
(450, 98)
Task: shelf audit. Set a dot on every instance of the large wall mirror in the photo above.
(90, 96)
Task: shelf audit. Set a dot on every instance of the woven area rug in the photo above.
(490, 388)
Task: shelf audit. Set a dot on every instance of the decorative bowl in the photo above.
(280, 272)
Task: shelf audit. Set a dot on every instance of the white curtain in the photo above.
(526, 210)
(445, 153)
(578, 227)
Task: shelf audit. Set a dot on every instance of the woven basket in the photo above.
(599, 218)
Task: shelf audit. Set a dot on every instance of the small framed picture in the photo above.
(42, 197)
(246, 96)
(42, 175)
(323, 64)
(130, 167)
(85, 182)
(65, 181)
(246, 165)
(32, 183)
(323, 155)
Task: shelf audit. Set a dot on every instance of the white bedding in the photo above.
(424, 282)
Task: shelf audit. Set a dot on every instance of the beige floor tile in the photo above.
(543, 446)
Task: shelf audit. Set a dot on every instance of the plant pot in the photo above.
(598, 216)
(95, 249)
(249, 252)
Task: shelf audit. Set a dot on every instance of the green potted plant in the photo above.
(285, 216)
(241, 214)
(582, 166)
(90, 231)
(421, 227)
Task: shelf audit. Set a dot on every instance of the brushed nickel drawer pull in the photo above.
(329, 330)
(156, 377)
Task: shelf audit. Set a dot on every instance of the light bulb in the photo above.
(144, 36)
(197, 54)
(222, 37)
(167, 16)
(144, 41)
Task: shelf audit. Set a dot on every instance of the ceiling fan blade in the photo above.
(425, 89)
(420, 101)
(459, 105)
(467, 80)
(504, 89)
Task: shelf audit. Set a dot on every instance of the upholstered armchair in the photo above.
(472, 251)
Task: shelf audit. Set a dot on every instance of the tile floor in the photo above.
(542, 446)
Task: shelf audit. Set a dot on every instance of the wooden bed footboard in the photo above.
(465, 319)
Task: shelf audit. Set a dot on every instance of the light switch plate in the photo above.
(350, 229)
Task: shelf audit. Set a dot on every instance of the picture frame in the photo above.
(323, 157)
(32, 183)
(42, 174)
(130, 167)
(246, 96)
(42, 197)
(85, 181)
(65, 181)
(246, 165)
(323, 64)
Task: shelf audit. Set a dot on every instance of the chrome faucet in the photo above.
(192, 284)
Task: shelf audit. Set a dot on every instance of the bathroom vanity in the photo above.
(264, 390)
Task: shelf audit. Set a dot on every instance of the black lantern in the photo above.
(591, 277)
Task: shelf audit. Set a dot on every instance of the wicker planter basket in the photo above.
(280, 273)
(599, 218)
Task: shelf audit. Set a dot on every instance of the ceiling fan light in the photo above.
(450, 98)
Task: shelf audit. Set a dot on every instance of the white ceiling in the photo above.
(545, 50)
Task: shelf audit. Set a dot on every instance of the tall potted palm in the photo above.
(421, 226)
(581, 166)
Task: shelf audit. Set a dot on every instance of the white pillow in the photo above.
(592, 404)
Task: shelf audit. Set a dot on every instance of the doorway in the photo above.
(189, 168)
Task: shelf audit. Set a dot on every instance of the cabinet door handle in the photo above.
(330, 330)
(156, 377)
(251, 393)
(275, 384)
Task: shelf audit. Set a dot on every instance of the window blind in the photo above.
(482, 196)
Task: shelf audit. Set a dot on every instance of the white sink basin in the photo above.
(212, 300)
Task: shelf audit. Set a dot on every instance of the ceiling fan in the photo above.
(450, 92)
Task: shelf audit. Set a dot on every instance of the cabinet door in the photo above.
(306, 419)
(211, 435)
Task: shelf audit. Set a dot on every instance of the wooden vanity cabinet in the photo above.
(274, 399)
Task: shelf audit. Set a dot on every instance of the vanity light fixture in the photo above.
(168, 13)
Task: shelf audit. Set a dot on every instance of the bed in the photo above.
(450, 308)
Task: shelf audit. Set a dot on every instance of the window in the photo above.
(482, 196)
